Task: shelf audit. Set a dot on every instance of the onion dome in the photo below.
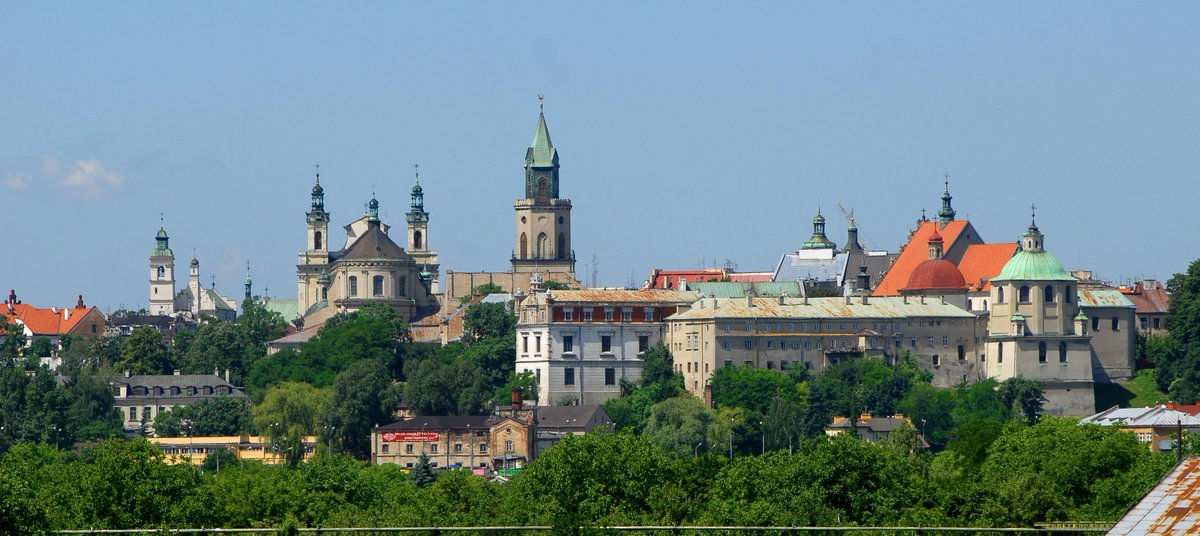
(323, 279)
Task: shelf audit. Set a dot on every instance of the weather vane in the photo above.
(417, 172)
(318, 166)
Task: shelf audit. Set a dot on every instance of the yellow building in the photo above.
(255, 448)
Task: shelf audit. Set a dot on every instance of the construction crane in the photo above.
(849, 215)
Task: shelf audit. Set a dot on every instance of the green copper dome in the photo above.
(1033, 266)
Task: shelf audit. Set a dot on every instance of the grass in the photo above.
(1137, 392)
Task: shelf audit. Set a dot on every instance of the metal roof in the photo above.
(1172, 507)
(803, 266)
(1142, 417)
(624, 296)
(1103, 298)
(1033, 266)
(888, 307)
(764, 289)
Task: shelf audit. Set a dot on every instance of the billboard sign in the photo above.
(412, 437)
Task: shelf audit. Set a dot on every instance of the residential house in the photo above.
(142, 398)
(868, 428)
(1157, 427)
(194, 450)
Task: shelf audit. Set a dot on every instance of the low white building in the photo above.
(581, 343)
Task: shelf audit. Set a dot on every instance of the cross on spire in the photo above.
(318, 166)
(541, 102)
(417, 172)
(947, 176)
(162, 221)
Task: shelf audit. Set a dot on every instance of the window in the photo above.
(1095, 323)
(1042, 352)
(508, 445)
(643, 343)
(568, 314)
(1145, 323)
(569, 376)
(1156, 324)
(1000, 353)
(408, 449)
(525, 343)
(608, 315)
(770, 365)
(649, 314)
(931, 341)
(1049, 294)
(748, 343)
(1062, 352)
(133, 414)
(770, 345)
(795, 345)
(725, 345)
(725, 328)
(587, 314)
(627, 315)
(937, 360)
(568, 344)
(962, 353)
(999, 294)
(1116, 324)
(433, 448)
(317, 240)
(537, 343)
(377, 285)
(385, 448)
(610, 376)
(945, 341)
(483, 448)
(353, 286)
(606, 343)
(727, 363)
(458, 448)
(913, 342)
(1023, 297)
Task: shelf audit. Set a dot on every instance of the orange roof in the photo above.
(45, 321)
(915, 253)
(751, 277)
(985, 261)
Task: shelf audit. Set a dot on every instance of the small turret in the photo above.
(947, 213)
(818, 239)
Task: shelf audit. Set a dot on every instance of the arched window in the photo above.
(325, 293)
(162, 272)
(317, 240)
(1023, 297)
(543, 246)
(999, 294)
(353, 286)
(970, 304)
(543, 192)
(1049, 294)
(403, 286)
(377, 285)
(1042, 352)
(1000, 353)
(417, 240)
(1062, 352)
(524, 247)
(562, 246)
(962, 353)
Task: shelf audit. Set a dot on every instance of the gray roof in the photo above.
(443, 422)
(498, 297)
(182, 381)
(585, 417)
(874, 424)
(374, 244)
(1142, 417)
(814, 265)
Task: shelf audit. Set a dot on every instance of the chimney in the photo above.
(12, 296)
(176, 373)
(126, 373)
(216, 372)
(516, 401)
(865, 297)
(226, 375)
(922, 299)
(749, 300)
(848, 300)
(905, 296)
(864, 279)
(683, 283)
(79, 302)
(805, 298)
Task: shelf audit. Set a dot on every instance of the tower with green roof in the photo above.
(418, 235)
(543, 237)
(162, 274)
(947, 213)
(818, 239)
(1033, 328)
(315, 257)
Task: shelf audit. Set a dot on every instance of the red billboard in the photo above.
(411, 437)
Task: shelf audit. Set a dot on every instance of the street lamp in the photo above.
(764, 436)
(923, 441)
(696, 449)
(731, 421)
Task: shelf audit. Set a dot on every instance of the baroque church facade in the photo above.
(192, 302)
(370, 267)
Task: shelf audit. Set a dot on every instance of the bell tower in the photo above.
(543, 238)
(418, 235)
(162, 274)
(315, 257)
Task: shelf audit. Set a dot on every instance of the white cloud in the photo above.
(86, 177)
(17, 181)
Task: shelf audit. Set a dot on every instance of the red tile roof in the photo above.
(984, 261)
(51, 321)
(915, 253)
(1148, 297)
(751, 277)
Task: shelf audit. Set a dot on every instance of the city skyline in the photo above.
(718, 136)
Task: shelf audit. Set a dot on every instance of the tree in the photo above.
(223, 416)
(482, 290)
(13, 344)
(784, 420)
(679, 425)
(1178, 364)
(1023, 397)
(437, 388)
(287, 414)
(218, 459)
(41, 347)
(659, 382)
(930, 409)
(422, 473)
(144, 352)
(748, 387)
(358, 403)
(217, 346)
(555, 285)
(525, 381)
(484, 320)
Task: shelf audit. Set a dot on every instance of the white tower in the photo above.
(162, 276)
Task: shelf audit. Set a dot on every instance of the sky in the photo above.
(689, 133)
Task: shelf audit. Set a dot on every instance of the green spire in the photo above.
(373, 209)
(947, 213)
(819, 240)
(416, 213)
(541, 152)
(162, 246)
(541, 163)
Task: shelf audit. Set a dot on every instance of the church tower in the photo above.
(543, 219)
(947, 213)
(162, 275)
(418, 237)
(315, 257)
(194, 286)
(249, 284)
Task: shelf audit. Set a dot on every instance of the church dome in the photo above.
(317, 189)
(936, 274)
(1033, 266)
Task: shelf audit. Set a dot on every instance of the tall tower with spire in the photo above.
(315, 257)
(162, 274)
(543, 238)
(946, 214)
(249, 284)
(418, 235)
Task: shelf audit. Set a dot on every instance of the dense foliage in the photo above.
(1177, 356)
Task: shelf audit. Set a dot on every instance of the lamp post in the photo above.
(923, 433)
(696, 449)
(731, 420)
(764, 435)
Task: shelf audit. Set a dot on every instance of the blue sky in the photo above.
(688, 131)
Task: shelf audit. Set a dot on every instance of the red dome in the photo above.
(936, 274)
